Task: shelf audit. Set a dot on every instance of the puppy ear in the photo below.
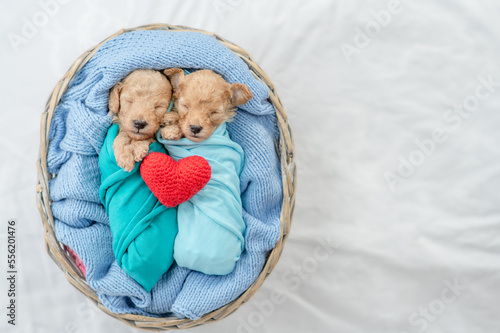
(240, 94)
(114, 98)
(175, 75)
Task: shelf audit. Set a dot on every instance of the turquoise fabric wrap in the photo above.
(143, 229)
(211, 227)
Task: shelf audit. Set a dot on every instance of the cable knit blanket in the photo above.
(77, 133)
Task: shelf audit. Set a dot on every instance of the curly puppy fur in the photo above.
(139, 103)
(202, 101)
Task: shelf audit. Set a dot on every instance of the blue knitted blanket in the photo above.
(77, 133)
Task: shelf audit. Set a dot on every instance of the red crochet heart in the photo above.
(175, 182)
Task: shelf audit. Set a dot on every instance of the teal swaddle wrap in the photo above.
(211, 228)
(143, 229)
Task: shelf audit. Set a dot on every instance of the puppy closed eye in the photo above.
(182, 111)
(216, 115)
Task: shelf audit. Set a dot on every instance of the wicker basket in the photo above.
(67, 263)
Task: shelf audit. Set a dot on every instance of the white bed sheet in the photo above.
(362, 256)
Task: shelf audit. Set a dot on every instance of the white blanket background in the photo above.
(395, 111)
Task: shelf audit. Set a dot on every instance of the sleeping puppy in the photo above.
(202, 101)
(139, 103)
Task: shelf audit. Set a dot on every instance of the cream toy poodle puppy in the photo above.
(139, 103)
(202, 101)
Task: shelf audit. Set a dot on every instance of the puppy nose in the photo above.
(140, 124)
(196, 129)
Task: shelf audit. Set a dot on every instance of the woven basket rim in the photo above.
(56, 250)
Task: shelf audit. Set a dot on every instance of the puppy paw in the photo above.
(141, 150)
(171, 133)
(140, 154)
(126, 163)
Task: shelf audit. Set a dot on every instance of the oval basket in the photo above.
(67, 263)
